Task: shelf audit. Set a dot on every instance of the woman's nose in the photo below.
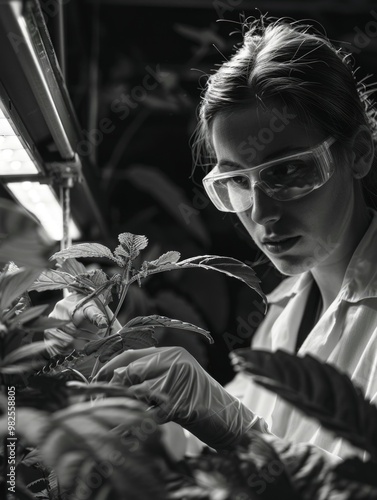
(265, 209)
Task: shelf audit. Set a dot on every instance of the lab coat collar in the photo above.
(360, 280)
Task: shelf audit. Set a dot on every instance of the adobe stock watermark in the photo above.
(267, 475)
(245, 328)
(364, 36)
(248, 149)
(122, 107)
(257, 143)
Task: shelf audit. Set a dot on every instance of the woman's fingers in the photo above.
(122, 361)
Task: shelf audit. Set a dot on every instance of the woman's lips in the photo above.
(277, 246)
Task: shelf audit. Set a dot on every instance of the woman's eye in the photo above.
(285, 171)
(289, 169)
(240, 181)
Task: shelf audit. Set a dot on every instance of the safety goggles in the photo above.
(283, 179)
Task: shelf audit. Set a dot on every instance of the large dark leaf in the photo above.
(318, 389)
(315, 475)
(154, 321)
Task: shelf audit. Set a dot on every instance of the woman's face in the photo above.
(300, 234)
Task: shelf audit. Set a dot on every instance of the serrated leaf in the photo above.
(52, 279)
(226, 265)
(73, 267)
(132, 244)
(82, 250)
(139, 339)
(15, 284)
(229, 266)
(318, 389)
(155, 321)
(314, 474)
(171, 257)
(32, 458)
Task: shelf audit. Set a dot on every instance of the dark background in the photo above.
(143, 165)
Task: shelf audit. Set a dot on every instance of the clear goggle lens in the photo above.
(286, 179)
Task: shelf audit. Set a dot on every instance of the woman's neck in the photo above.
(329, 274)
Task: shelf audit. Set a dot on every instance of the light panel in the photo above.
(41, 201)
(14, 155)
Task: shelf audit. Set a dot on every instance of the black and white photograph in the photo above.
(188, 249)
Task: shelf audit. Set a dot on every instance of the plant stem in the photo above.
(95, 369)
(126, 284)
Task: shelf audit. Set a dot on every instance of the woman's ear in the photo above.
(363, 152)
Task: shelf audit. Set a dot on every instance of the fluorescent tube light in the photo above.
(16, 159)
(42, 202)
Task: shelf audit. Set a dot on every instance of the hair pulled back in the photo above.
(290, 63)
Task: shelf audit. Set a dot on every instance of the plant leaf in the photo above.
(52, 279)
(30, 314)
(72, 267)
(134, 338)
(171, 257)
(314, 474)
(155, 321)
(131, 245)
(22, 353)
(226, 265)
(44, 322)
(92, 281)
(15, 284)
(229, 266)
(318, 389)
(85, 250)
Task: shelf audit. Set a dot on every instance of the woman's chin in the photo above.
(293, 265)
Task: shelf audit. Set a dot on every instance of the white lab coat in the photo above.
(345, 336)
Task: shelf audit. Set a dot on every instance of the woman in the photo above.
(290, 137)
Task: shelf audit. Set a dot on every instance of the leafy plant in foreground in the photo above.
(96, 285)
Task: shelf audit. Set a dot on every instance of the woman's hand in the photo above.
(194, 399)
(87, 323)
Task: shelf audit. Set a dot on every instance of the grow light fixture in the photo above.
(14, 156)
(41, 201)
(22, 174)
